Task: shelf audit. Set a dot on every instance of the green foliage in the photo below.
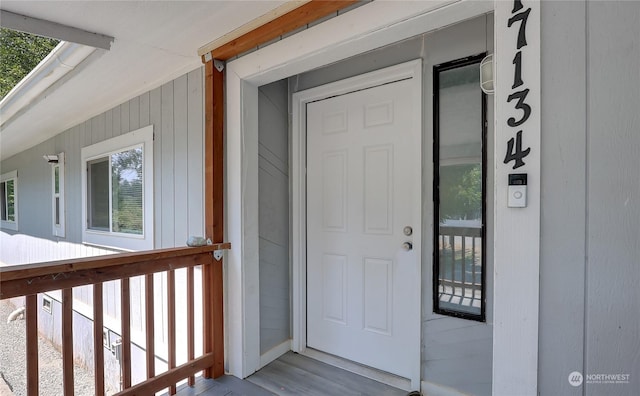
(460, 192)
(19, 54)
(127, 206)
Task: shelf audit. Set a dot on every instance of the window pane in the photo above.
(3, 199)
(11, 200)
(57, 205)
(56, 171)
(126, 181)
(98, 194)
(460, 199)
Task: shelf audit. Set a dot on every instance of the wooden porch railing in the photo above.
(28, 280)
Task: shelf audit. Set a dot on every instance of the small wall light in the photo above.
(486, 75)
(51, 158)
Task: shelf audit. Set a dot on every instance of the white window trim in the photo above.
(6, 224)
(58, 229)
(144, 137)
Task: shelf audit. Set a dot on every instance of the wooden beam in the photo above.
(27, 271)
(288, 22)
(247, 27)
(61, 280)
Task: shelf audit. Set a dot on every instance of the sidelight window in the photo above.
(460, 189)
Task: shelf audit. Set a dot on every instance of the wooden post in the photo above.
(125, 307)
(213, 317)
(98, 340)
(32, 344)
(150, 326)
(67, 341)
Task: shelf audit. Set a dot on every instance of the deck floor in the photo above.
(293, 374)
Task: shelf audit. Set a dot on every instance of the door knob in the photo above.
(407, 246)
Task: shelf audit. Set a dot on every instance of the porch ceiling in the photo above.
(155, 42)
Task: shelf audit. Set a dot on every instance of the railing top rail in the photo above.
(27, 271)
(461, 231)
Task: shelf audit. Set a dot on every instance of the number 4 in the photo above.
(518, 154)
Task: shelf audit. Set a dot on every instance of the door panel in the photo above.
(363, 189)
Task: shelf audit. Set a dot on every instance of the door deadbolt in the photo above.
(407, 231)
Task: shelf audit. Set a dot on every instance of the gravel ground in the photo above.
(13, 364)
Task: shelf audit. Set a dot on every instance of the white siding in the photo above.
(176, 111)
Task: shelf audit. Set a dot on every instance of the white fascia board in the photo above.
(41, 27)
(62, 60)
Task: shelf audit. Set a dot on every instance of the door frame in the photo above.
(516, 231)
(411, 69)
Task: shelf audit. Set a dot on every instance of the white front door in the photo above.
(363, 226)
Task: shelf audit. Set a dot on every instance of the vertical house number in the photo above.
(520, 91)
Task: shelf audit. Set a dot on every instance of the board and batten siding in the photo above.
(590, 223)
(176, 111)
(456, 353)
(273, 209)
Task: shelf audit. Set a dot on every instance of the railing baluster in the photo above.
(464, 267)
(171, 319)
(190, 320)
(32, 344)
(98, 339)
(452, 244)
(67, 341)
(150, 326)
(473, 265)
(217, 325)
(207, 317)
(125, 305)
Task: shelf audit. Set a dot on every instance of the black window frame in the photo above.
(437, 69)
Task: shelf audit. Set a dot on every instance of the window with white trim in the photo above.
(117, 186)
(9, 200)
(57, 195)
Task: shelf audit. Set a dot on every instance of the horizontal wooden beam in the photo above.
(288, 22)
(247, 27)
(101, 262)
(41, 27)
(167, 378)
(52, 280)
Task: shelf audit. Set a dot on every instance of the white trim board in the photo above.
(413, 70)
(370, 26)
(517, 230)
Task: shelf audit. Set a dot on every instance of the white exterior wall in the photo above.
(590, 224)
(176, 111)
